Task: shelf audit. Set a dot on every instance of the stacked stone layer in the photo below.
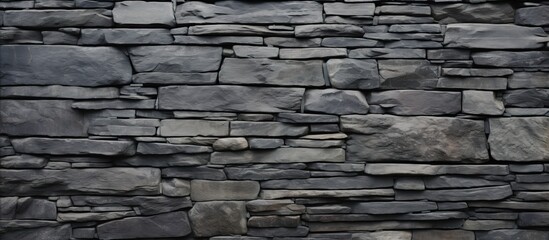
(288, 120)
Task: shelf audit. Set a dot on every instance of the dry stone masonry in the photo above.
(283, 120)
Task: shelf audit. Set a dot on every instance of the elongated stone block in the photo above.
(494, 36)
(75, 146)
(281, 155)
(175, 59)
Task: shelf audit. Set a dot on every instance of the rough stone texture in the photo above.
(332, 101)
(482, 102)
(417, 138)
(476, 13)
(519, 139)
(494, 36)
(175, 59)
(532, 16)
(353, 74)
(417, 102)
(58, 18)
(407, 74)
(512, 59)
(202, 190)
(74, 146)
(218, 218)
(174, 224)
(282, 155)
(143, 13)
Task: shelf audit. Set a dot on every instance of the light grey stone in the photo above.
(404, 10)
(176, 127)
(482, 102)
(349, 42)
(415, 28)
(441, 182)
(98, 36)
(293, 12)
(175, 78)
(255, 52)
(167, 148)
(143, 13)
(314, 143)
(269, 129)
(312, 53)
(333, 183)
(333, 101)
(395, 207)
(271, 72)
(514, 234)
(236, 29)
(328, 30)
(174, 224)
(57, 91)
(33, 208)
(393, 235)
(175, 59)
(265, 143)
(407, 74)
(58, 18)
(409, 183)
(529, 80)
(203, 190)
(264, 174)
(443, 54)
(217, 40)
(230, 144)
(230, 98)
(92, 216)
(292, 42)
(200, 172)
(23, 161)
(274, 221)
(349, 9)
(115, 104)
(494, 36)
(519, 139)
(18, 36)
(476, 72)
(526, 59)
(306, 118)
(280, 155)
(72, 146)
(417, 102)
(218, 218)
(480, 83)
(123, 127)
(175, 187)
(532, 16)
(387, 53)
(353, 73)
(425, 169)
(476, 12)
(440, 138)
(300, 231)
(487, 224)
(62, 65)
(116, 181)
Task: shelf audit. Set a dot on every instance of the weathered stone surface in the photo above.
(441, 182)
(174, 78)
(176, 187)
(280, 155)
(334, 101)
(230, 144)
(217, 40)
(312, 53)
(454, 195)
(515, 234)
(393, 235)
(93, 216)
(9, 205)
(328, 30)
(353, 74)
(23, 161)
(201, 172)
(203, 190)
(57, 91)
(477, 72)
(173, 160)
(143, 13)
(292, 42)
(146, 205)
(532, 16)
(415, 28)
(359, 182)
(115, 104)
(527, 98)
(271, 72)
(97, 36)
(519, 139)
(392, 207)
(443, 234)
(306, 118)
(494, 36)
(480, 83)
(418, 138)
(175, 59)
(32, 208)
(58, 18)
(176, 127)
(387, 53)
(265, 174)
(218, 218)
(115, 181)
(529, 80)
(288, 12)
(527, 59)
(230, 98)
(265, 143)
(533, 219)
(270, 129)
(300, 231)
(424, 169)
(477, 12)
(417, 102)
(53, 232)
(62, 65)
(277, 194)
(75, 146)
(349, 42)
(349, 9)
(236, 29)
(255, 52)
(167, 148)
(407, 74)
(274, 221)
(174, 224)
(482, 102)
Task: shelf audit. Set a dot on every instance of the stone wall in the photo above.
(288, 120)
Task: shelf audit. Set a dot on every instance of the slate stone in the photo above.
(300, 231)
(92, 216)
(407, 74)
(387, 53)
(176, 187)
(274, 221)
(374, 226)
(33, 208)
(200, 172)
(271, 72)
(115, 181)
(167, 148)
(75, 146)
(394, 207)
(292, 42)
(277, 194)
(306, 118)
(533, 219)
(230, 144)
(476, 12)
(58, 18)
(99, 36)
(334, 101)
(494, 36)
(115, 104)
(439, 54)
(414, 28)
(312, 53)
(175, 59)
(146, 205)
(123, 127)
(424, 169)
(480, 83)
(519, 139)
(9, 204)
(455, 195)
(349, 42)
(482, 102)
(217, 40)
(175, 78)
(174, 224)
(442, 182)
(57, 91)
(487, 224)
(203, 190)
(264, 174)
(515, 234)
(527, 98)
(353, 74)
(393, 235)
(176, 127)
(477, 72)
(418, 138)
(349, 9)
(173, 160)
(532, 16)
(526, 59)
(218, 218)
(255, 52)
(409, 183)
(443, 234)
(269, 129)
(143, 13)
(236, 29)
(230, 98)
(335, 183)
(83, 232)
(280, 155)
(417, 102)
(314, 143)
(529, 80)
(265, 143)
(23, 161)
(18, 36)
(328, 30)
(54, 232)
(52, 65)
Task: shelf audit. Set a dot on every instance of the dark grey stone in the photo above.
(353, 73)
(280, 155)
(312, 53)
(407, 74)
(63, 65)
(167, 148)
(159, 78)
(482, 102)
(57, 91)
(519, 139)
(218, 218)
(387, 53)
(204, 190)
(172, 160)
(174, 224)
(529, 98)
(53, 232)
(350, 9)
(417, 102)
(526, 59)
(75, 146)
(443, 234)
(268, 129)
(529, 80)
(359, 182)
(512, 234)
(217, 40)
(328, 30)
(394, 207)
(175, 59)
(306, 118)
(532, 16)
(475, 12)
(236, 29)
(58, 18)
(274, 221)
(23, 161)
(125, 36)
(292, 42)
(349, 42)
(480, 83)
(441, 182)
(176, 127)
(265, 143)
(533, 219)
(334, 101)
(200, 172)
(33, 208)
(264, 174)
(146, 205)
(9, 205)
(300, 231)
(456, 195)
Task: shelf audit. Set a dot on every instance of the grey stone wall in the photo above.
(288, 120)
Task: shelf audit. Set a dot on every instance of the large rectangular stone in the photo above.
(519, 139)
(58, 18)
(277, 194)
(407, 74)
(528, 59)
(63, 65)
(426, 169)
(175, 59)
(281, 155)
(271, 72)
(270, 129)
(417, 102)
(204, 190)
(72, 146)
(390, 138)
(176, 127)
(494, 36)
(230, 98)
(454, 195)
(41, 118)
(358, 182)
(286, 12)
(173, 224)
(113, 181)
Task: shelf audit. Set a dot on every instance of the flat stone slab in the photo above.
(58, 18)
(519, 139)
(143, 13)
(280, 155)
(417, 102)
(204, 190)
(494, 36)
(218, 218)
(175, 59)
(174, 224)
(74, 146)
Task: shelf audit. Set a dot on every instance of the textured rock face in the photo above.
(353, 74)
(407, 74)
(494, 36)
(174, 224)
(143, 13)
(532, 16)
(519, 139)
(417, 102)
(218, 218)
(333, 101)
(58, 18)
(474, 13)
(50, 65)
(73, 146)
(175, 59)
